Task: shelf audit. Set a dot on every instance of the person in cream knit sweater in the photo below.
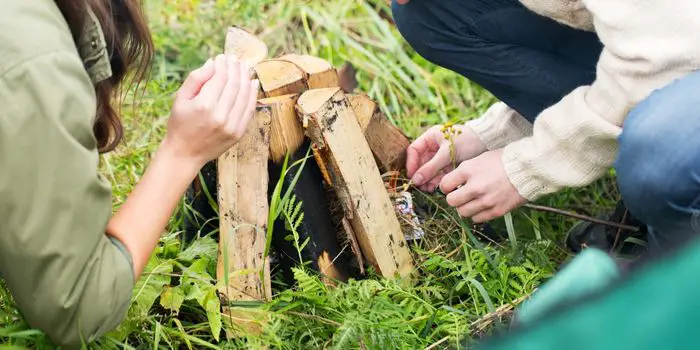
(584, 86)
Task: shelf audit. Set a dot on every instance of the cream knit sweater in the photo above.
(647, 45)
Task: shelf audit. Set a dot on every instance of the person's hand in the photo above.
(212, 110)
(428, 158)
(480, 189)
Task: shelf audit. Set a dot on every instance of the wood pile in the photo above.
(306, 113)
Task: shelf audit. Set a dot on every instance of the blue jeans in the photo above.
(658, 166)
(530, 62)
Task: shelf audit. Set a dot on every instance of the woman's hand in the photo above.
(480, 189)
(212, 110)
(429, 158)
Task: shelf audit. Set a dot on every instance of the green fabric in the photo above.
(67, 277)
(588, 272)
(656, 307)
(93, 50)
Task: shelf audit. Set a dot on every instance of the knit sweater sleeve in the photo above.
(569, 12)
(499, 126)
(648, 44)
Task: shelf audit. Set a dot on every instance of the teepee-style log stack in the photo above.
(304, 113)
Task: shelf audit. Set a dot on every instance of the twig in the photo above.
(582, 217)
(619, 231)
(486, 320)
(434, 345)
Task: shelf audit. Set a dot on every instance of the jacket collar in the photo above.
(92, 48)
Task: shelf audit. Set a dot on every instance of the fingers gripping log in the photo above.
(203, 191)
(332, 125)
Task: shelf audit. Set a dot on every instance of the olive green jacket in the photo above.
(68, 278)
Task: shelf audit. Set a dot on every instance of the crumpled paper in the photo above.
(403, 203)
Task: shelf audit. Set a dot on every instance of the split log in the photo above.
(279, 78)
(387, 142)
(243, 208)
(243, 202)
(318, 73)
(287, 134)
(331, 124)
(323, 250)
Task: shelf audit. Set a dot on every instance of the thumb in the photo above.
(432, 167)
(195, 80)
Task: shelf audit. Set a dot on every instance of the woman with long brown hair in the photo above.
(69, 263)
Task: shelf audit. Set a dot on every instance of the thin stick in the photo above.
(437, 343)
(503, 310)
(619, 231)
(583, 217)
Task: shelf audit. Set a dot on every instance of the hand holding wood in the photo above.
(212, 110)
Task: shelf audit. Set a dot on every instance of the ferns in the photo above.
(293, 216)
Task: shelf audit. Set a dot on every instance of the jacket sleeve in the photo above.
(68, 278)
(648, 44)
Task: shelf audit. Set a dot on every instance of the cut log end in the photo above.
(319, 72)
(312, 101)
(279, 78)
(307, 63)
(245, 45)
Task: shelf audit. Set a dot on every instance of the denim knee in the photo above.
(658, 165)
(416, 23)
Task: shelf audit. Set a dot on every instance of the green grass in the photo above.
(461, 278)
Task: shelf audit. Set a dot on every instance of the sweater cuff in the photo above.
(529, 185)
(500, 126)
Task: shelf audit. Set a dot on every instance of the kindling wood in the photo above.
(332, 125)
(306, 112)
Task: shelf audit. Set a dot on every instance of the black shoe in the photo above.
(586, 234)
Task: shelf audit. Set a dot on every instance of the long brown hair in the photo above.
(130, 47)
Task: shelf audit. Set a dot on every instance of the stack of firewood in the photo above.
(307, 114)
